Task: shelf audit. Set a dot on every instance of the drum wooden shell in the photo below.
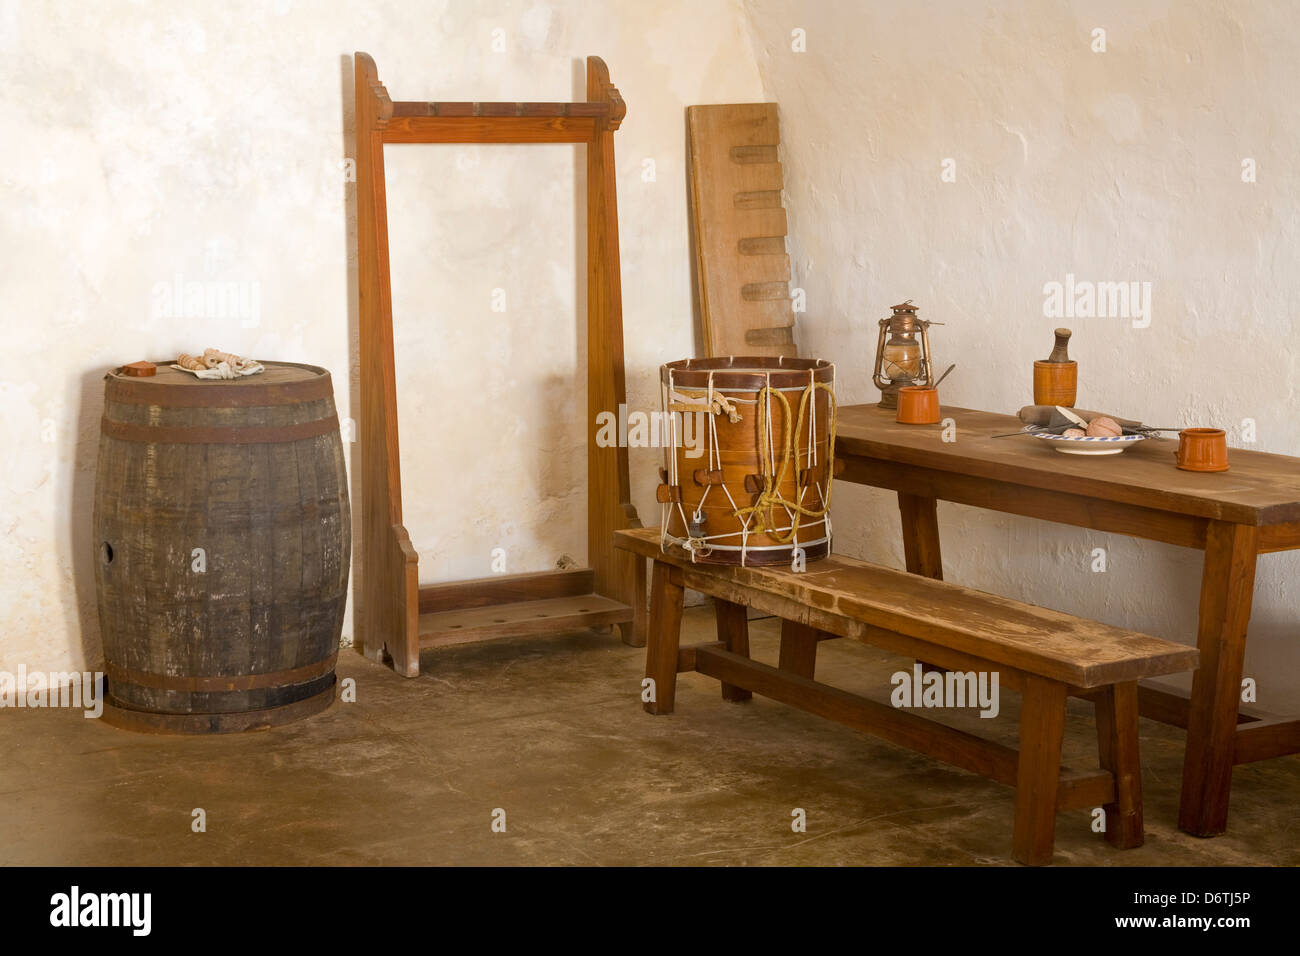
(223, 538)
(737, 448)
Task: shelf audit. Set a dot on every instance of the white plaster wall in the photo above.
(149, 140)
(1122, 165)
(146, 141)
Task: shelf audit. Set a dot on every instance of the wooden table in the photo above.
(1233, 517)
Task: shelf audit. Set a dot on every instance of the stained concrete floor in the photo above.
(551, 731)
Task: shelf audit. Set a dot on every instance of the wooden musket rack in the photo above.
(396, 615)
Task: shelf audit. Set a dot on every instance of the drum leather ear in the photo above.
(754, 484)
(668, 494)
(703, 476)
(814, 475)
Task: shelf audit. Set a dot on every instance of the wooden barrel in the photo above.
(746, 480)
(223, 535)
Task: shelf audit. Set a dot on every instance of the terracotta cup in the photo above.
(1202, 449)
(1055, 383)
(918, 406)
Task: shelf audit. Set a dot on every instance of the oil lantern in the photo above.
(902, 353)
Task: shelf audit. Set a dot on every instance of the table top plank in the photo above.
(1075, 650)
(1258, 489)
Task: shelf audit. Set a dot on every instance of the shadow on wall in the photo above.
(80, 497)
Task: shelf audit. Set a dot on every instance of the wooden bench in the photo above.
(1044, 655)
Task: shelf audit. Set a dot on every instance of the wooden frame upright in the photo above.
(396, 616)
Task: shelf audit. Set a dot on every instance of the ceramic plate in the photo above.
(1111, 445)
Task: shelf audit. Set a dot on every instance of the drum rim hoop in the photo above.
(736, 371)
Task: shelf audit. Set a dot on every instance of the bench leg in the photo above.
(1042, 728)
(665, 627)
(798, 649)
(733, 632)
(633, 633)
(1117, 745)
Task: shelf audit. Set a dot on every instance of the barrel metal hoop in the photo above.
(262, 681)
(219, 435)
(202, 393)
(156, 722)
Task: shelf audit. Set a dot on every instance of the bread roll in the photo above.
(1104, 427)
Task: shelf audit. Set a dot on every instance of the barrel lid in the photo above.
(281, 383)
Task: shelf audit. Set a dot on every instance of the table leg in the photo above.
(798, 649)
(665, 627)
(733, 631)
(921, 542)
(1227, 587)
(921, 535)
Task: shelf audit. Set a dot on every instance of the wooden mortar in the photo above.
(1056, 379)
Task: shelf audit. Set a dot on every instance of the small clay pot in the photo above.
(1202, 449)
(918, 406)
(1055, 383)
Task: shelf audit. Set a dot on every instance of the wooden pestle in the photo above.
(1060, 352)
